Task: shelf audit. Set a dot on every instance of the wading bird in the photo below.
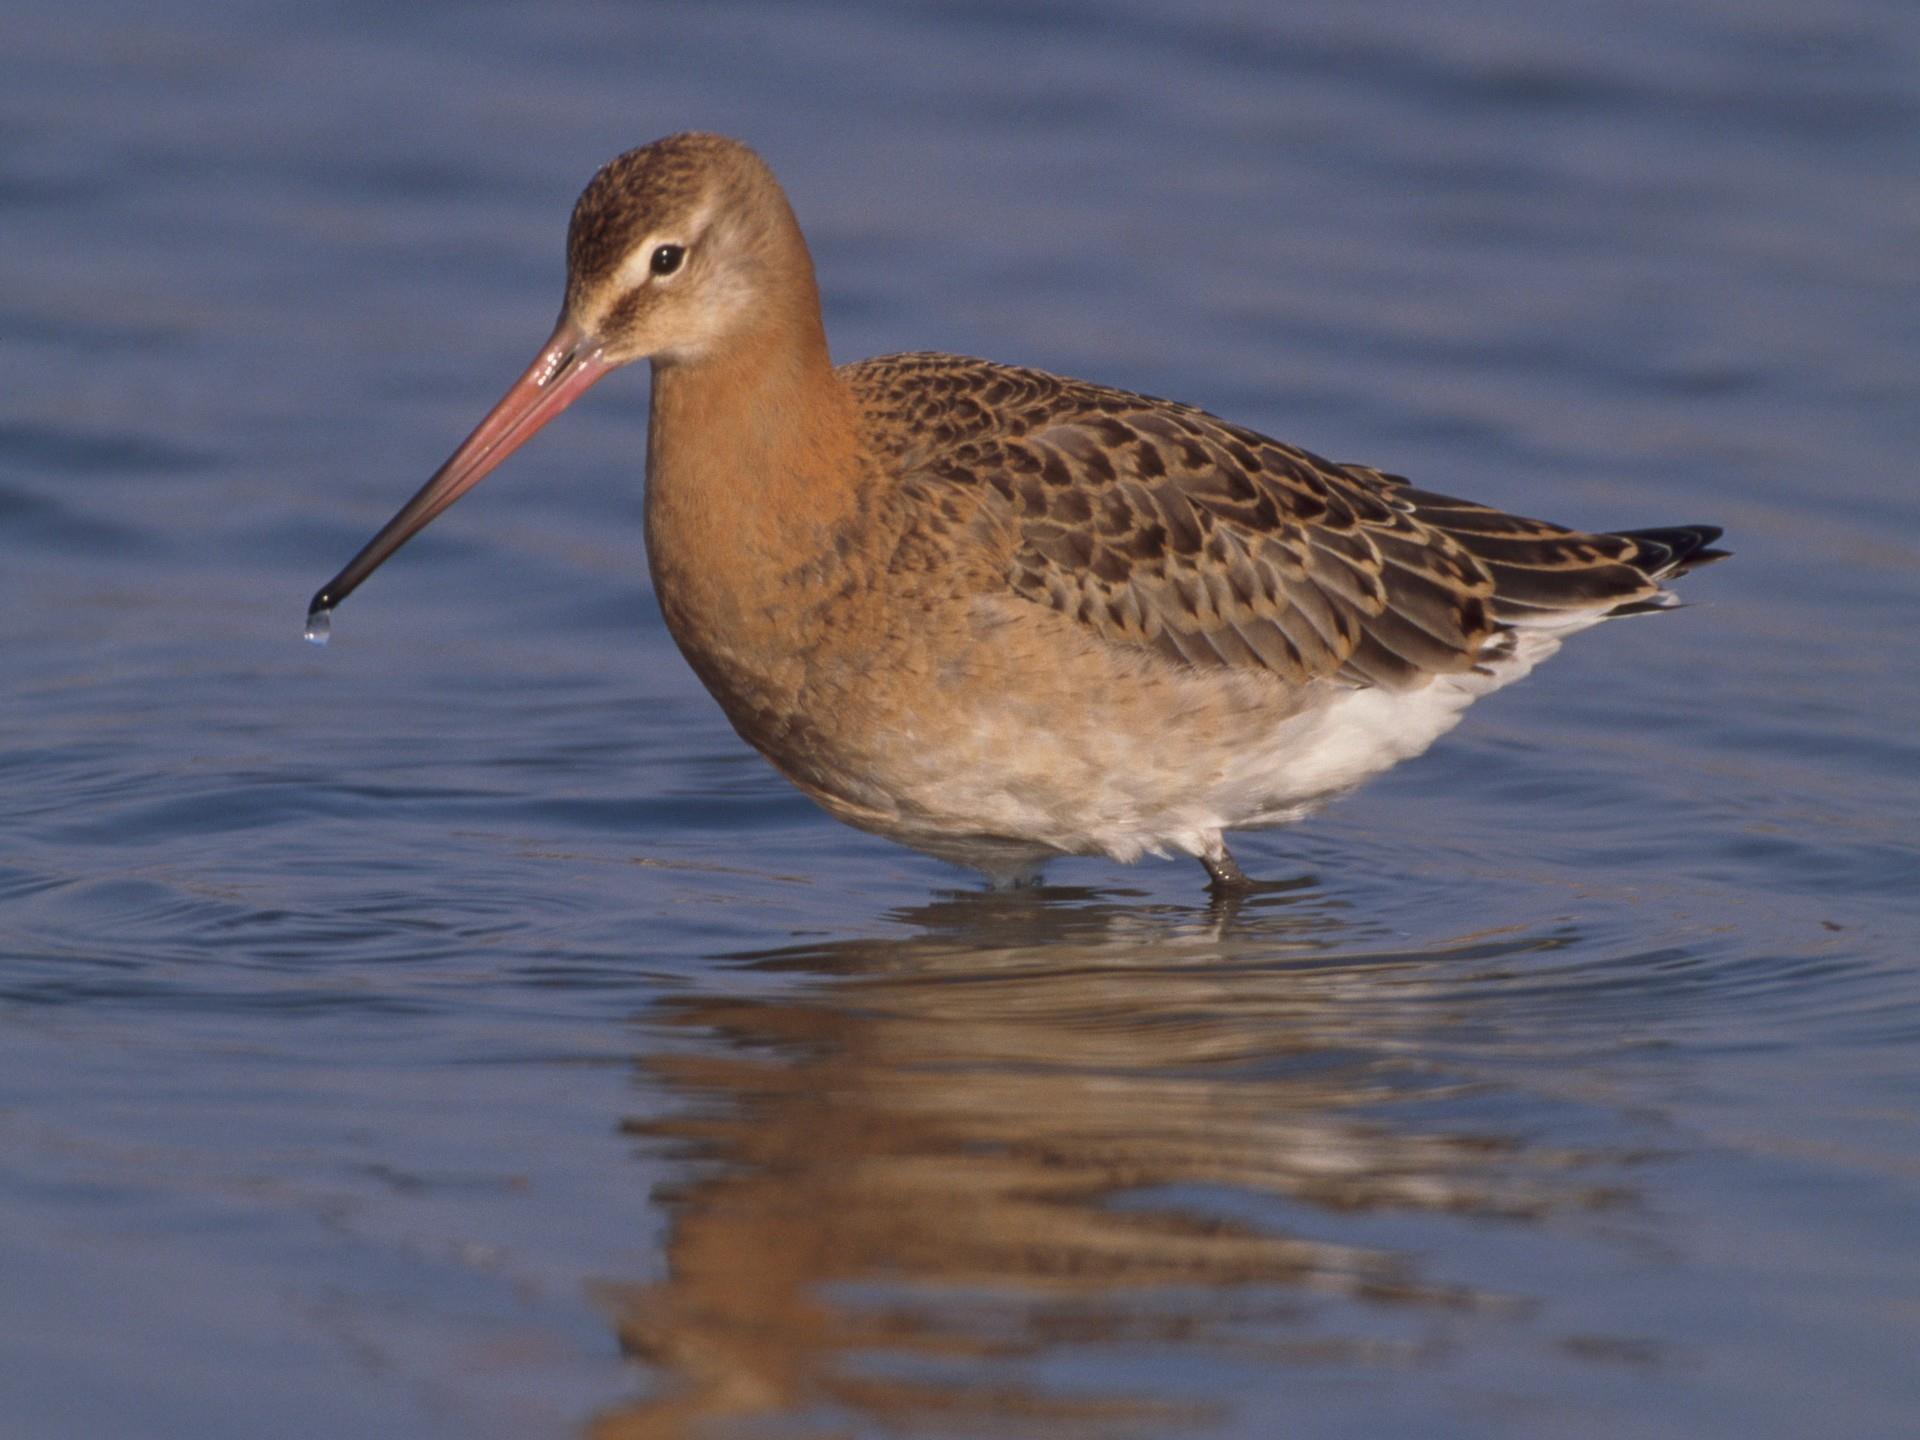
(999, 615)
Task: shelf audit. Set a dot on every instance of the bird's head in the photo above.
(680, 252)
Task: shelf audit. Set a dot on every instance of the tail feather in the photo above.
(1672, 550)
(1548, 577)
(1666, 553)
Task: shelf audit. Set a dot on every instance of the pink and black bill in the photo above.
(569, 363)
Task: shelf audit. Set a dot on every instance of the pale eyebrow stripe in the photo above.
(635, 271)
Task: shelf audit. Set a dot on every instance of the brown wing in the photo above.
(1159, 525)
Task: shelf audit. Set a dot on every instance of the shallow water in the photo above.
(458, 1032)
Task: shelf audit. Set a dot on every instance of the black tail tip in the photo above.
(1671, 550)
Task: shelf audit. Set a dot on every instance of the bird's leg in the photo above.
(1224, 875)
(1022, 876)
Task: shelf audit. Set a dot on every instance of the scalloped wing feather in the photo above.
(1159, 525)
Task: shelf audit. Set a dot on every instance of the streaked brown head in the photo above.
(679, 246)
(679, 251)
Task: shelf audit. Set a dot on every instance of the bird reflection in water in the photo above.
(1061, 1126)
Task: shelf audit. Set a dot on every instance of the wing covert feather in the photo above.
(1159, 525)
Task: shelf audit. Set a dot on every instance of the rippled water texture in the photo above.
(456, 1032)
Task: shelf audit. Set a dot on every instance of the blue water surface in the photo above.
(459, 1032)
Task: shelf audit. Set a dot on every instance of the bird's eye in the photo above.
(667, 258)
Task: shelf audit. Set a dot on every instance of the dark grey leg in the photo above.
(1014, 877)
(1224, 875)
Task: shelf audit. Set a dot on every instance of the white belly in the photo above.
(1014, 779)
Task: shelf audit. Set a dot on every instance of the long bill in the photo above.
(568, 364)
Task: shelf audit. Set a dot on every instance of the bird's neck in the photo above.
(752, 455)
